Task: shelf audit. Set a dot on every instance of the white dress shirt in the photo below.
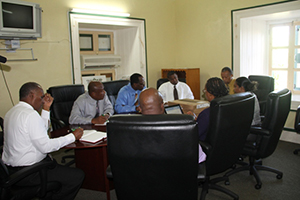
(184, 91)
(26, 139)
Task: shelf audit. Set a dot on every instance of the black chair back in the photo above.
(265, 86)
(277, 110)
(64, 97)
(230, 121)
(164, 80)
(112, 89)
(297, 120)
(153, 156)
(11, 189)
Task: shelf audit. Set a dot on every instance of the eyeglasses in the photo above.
(204, 90)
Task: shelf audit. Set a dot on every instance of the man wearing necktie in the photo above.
(92, 107)
(174, 89)
(127, 100)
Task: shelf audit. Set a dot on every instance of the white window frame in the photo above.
(248, 51)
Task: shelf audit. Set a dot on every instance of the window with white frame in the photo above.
(284, 54)
(266, 41)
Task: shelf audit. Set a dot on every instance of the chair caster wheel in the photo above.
(257, 186)
(227, 183)
(279, 176)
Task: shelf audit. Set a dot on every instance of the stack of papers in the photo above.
(92, 136)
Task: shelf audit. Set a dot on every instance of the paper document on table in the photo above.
(92, 136)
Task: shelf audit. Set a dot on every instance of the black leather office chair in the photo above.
(265, 86)
(297, 126)
(9, 190)
(64, 97)
(112, 88)
(226, 137)
(262, 141)
(153, 156)
(164, 80)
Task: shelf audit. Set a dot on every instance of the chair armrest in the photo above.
(259, 131)
(109, 173)
(58, 122)
(26, 171)
(205, 146)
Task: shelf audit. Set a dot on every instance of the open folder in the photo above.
(92, 136)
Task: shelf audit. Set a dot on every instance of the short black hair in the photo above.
(216, 87)
(134, 78)
(248, 85)
(227, 69)
(26, 88)
(170, 73)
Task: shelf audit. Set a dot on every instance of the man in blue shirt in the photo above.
(127, 101)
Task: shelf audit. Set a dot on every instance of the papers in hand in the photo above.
(92, 136)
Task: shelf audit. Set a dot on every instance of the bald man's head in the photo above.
(151, 102)
(96, 90)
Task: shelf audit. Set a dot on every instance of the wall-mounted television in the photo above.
(20, 20)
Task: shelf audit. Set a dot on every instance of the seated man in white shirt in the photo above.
(174, 89)
(92, 107)
(26, 141)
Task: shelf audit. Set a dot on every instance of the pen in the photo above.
(73, 129)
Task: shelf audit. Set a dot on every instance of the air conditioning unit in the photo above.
(93, 61)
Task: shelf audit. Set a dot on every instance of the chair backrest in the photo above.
(164, 80)
(112, 89)
(265, 86)
(297, 120)
(153, 156)
(1, 133)
(64, 97)
(277, 110)
(229, 124)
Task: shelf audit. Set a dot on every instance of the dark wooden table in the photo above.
(91, 158)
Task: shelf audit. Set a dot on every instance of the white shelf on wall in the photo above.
(22, 59)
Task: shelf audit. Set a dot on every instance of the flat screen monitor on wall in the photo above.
(20, 20)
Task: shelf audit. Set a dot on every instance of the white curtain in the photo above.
(253, 47)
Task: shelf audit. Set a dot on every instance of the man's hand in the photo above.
(193, 114)
(138, 109)
(78, 133)
(100, 120)
(48, 100)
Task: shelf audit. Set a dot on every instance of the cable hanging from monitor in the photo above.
(3, 60)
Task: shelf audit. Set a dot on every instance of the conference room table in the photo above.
(91, 158)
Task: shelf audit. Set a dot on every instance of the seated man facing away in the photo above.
(26, 141)
(214, 88)
(151, 103)
(227, 76)
(174, 89)
(92, 107)
(127, 100)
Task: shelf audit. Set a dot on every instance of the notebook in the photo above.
(174, 109)
(92, 136)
